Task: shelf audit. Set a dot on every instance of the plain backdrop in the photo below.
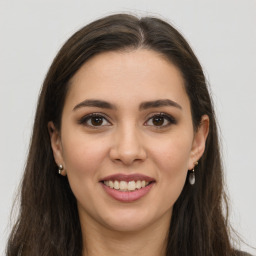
(223, 36)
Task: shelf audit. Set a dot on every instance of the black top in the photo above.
(239, 253)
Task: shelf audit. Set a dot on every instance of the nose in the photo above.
(127, 146)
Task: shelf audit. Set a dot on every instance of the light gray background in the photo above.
(223, 36)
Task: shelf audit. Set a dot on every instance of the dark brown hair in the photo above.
(48, 222)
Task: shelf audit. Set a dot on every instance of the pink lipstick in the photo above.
(127, 188)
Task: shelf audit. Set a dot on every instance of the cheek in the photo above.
(83, 159)
(172, 159)
(173, 155)
(82, 155)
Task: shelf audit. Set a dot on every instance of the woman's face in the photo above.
(127, 139)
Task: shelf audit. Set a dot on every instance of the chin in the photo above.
(131, 220)
(127, 225)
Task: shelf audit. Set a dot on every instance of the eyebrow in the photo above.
(159, 103)
(94, 103)
(143, 106)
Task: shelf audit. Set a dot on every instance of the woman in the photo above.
(124, 157)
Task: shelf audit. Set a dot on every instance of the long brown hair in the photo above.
(48, 222)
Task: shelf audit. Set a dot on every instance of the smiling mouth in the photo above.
(127, 183)
(125, 186)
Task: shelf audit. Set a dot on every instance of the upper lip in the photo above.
(128, 177)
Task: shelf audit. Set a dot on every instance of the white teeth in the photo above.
(111, 184)
(131, 185)
(116, 184)
(123, 185)
(126, 186)
(138, 184)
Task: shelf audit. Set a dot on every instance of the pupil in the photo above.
(158, 121)
(96, 121)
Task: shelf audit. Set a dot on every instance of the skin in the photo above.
(127, 141)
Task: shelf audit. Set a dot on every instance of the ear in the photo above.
(199, 141)
(56, 146)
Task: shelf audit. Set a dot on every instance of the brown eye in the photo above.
(94, 120)
(161, 120)
(158, 120)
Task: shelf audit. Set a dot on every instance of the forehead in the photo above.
(122, 76)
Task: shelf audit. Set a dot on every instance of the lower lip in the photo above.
(128, 196)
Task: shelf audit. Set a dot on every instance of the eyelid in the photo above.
(169, 117)
(85, 118)
(171, 120)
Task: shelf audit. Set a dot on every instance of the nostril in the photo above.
(127, 150)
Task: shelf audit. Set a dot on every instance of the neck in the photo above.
(150, 241)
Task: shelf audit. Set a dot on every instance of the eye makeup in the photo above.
(97, 120)
(94, 120)
(161, 120)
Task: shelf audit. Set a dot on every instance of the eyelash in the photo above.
(170, 119)
(86, 118)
